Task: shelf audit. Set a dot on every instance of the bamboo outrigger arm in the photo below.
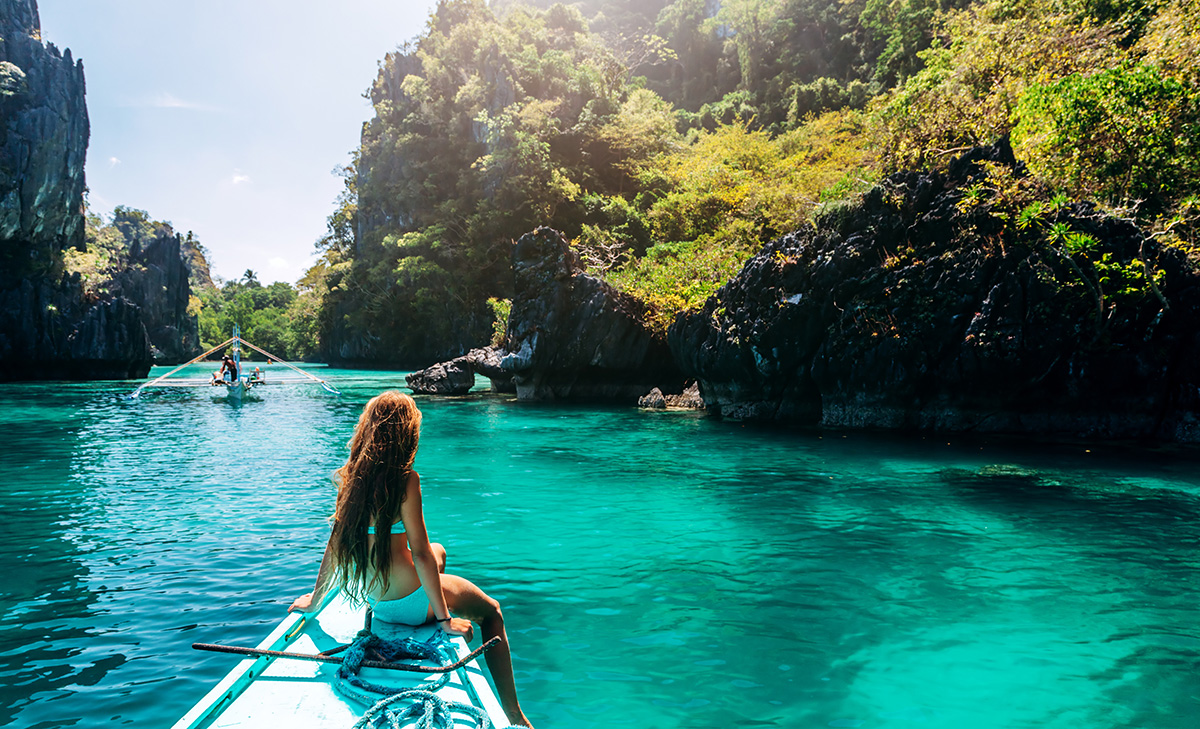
(236, 340)
(314, 378)
(157, 380)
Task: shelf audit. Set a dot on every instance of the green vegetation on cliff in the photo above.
(280, 318)
(110, 246)
(670, 140)
(483, 129)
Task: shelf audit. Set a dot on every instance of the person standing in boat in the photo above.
(228, 365)
(379, 552)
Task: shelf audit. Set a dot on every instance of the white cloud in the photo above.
(170, 101)
(113, 161)
(278, 262)
(239, 178)
(167, 101)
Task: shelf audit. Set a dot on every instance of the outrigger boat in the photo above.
(235, 389)
(291, 680)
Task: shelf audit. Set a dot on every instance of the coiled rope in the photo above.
(422, 705)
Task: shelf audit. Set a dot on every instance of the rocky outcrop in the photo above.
(689, 399)
(572, 336)
(487, 361)
(653, 400)
(455, 377)
(918, 307)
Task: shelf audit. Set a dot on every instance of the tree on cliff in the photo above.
(669, 152)
(483, 129)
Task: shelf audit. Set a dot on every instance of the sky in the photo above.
(228, 119)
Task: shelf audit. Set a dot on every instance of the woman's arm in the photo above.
(422, 554)
(304, 603)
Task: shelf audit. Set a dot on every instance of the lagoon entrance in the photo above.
(656, 569)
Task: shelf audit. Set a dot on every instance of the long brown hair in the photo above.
(371, 488)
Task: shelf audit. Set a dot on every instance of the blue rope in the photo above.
(422, 704)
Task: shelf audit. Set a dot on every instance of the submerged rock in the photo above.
(572, 336)
(914, 309)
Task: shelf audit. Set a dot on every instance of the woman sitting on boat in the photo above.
(380, 553)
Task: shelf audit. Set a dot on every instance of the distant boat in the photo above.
(240, 385)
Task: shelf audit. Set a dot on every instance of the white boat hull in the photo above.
(276, 692)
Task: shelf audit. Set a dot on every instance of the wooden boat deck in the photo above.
(271, 692)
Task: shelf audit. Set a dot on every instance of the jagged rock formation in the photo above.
(689, 399)
(50, 326)
(43, 145)
(654, 400)
(455, 377)
(572, 336)
(915, 309)
(157, 280)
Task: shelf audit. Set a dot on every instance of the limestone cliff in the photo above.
(43, 144)
(51, 332)
(572, 336)
(157, 280)
(920, 307)
(49, 328)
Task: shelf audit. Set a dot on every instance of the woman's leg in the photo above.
(468, 601)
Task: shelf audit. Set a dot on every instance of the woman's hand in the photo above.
(458, 626)
(302, 603)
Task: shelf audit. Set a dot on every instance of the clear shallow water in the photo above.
(656, 569)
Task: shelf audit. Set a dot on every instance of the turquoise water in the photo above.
(656, 569)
